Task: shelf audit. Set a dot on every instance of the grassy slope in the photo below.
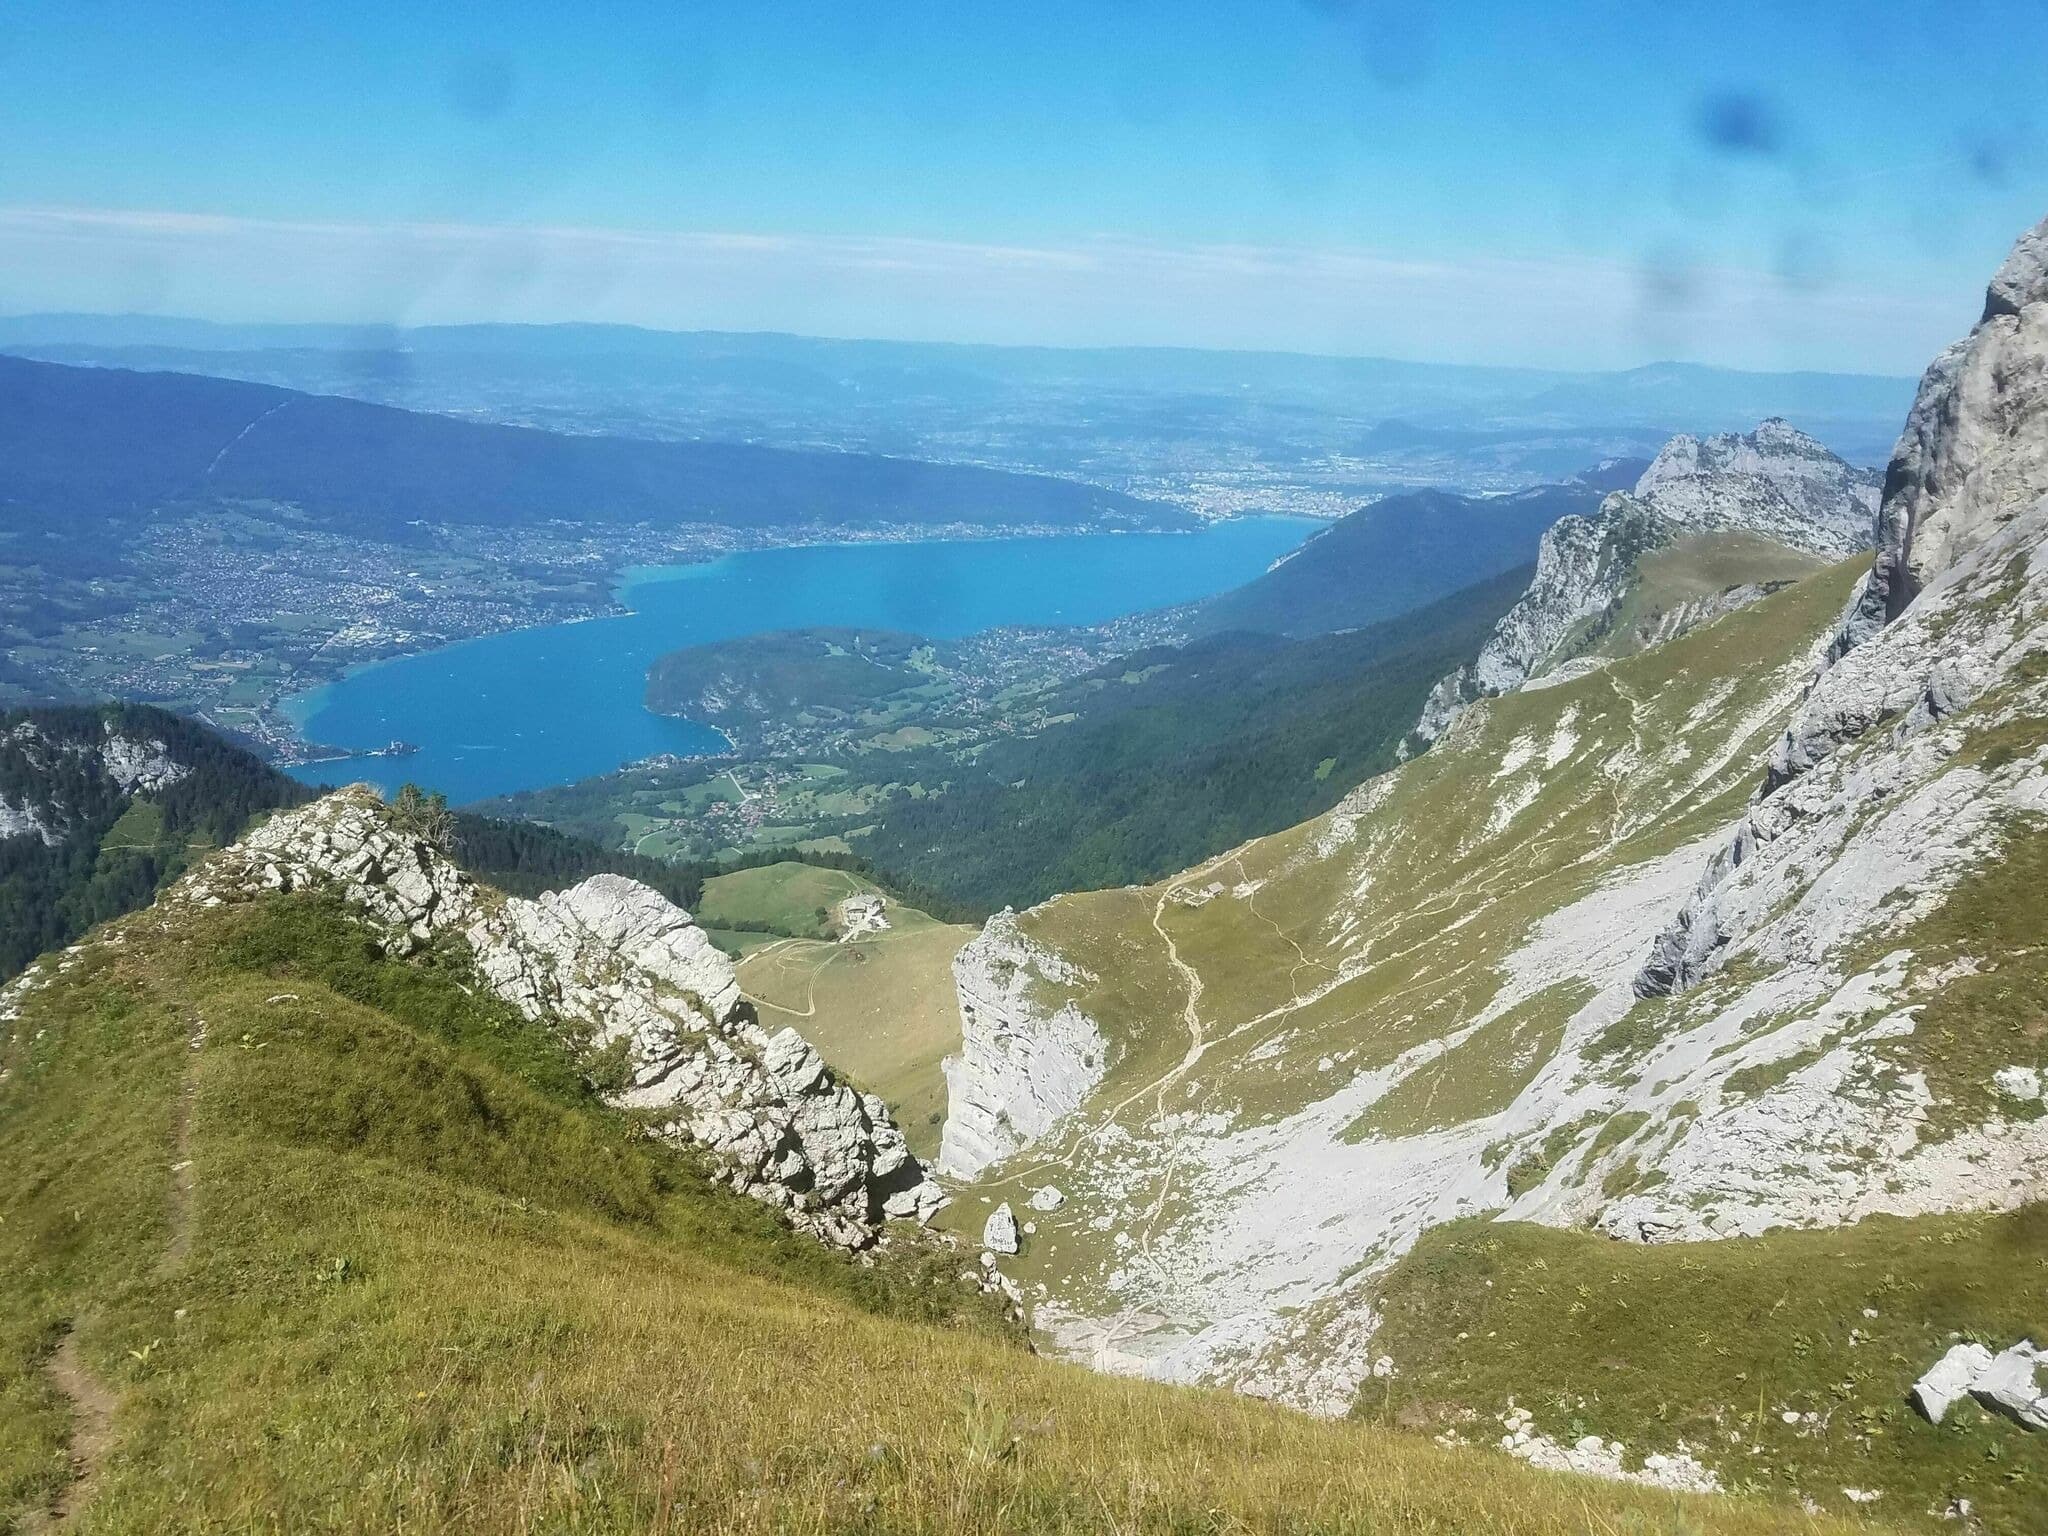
(1357, 946)
(785, 897)
(421, 1282)
(1691, 569)
(1178, 752)
(1430, 892)
(1712, 1344)
(881, 1007)
(1663, 1343)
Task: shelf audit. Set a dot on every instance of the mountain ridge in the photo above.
(1431, 1003)
(1774, 483)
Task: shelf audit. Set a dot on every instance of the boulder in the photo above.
(1949, 1381)
(999, 1234)
(1048, 1198)
(2022, 1083)
(2011, 1385)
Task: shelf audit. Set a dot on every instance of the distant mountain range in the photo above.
(105, 441)
(1123, 417)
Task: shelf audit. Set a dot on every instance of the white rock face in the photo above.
(628, 976)
(139, 765)
(1775, 481)
(1955, 607)
(1582, 569)
(1019, 1071)
(1949, 1380)
(23, 821)
(1973, 452)
(136, 765)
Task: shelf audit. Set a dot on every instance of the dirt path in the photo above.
(92, 1430)
(92, 1401)
(810, 1007)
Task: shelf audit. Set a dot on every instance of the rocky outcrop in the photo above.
(2006, 1383)
(24, 819)
(1021, 1068)
(633, 984)
(1776, 482)
(30, 751)
(1973, 451)
(1955, 609)
(1583, 568)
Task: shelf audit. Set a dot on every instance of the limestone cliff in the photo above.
(632, 982)
(1775, 482)
(36, 757)
(1953, 611)
(1021, 1067)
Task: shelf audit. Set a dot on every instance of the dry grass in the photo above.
(430, 1289)
(881, 1009)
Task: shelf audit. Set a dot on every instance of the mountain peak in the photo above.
(2022, 279)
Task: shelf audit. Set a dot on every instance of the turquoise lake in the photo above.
(542, 706)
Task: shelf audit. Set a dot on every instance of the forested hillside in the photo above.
(1394, 556)
(94, 834)
(101, 808)
(1177, 753)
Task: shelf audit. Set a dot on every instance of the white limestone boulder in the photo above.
(999, 1232)
(1949, 1380)
(2011, 1385)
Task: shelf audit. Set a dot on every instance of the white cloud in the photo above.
(1576, 311)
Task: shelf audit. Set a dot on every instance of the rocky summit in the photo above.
(635, 986)
(1737, 505)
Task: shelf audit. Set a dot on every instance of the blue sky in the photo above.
(1578, 183)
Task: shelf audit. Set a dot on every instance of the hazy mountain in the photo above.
(112, 441)
(1223, 431)
(1393, 556)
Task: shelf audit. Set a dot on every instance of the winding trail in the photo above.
(92, 1430)
(92, 1401)
(783, 946)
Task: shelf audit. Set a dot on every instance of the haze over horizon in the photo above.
(1736, 188)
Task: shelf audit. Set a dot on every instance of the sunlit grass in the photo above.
(431, 1286)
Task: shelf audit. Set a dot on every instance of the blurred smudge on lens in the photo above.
(480, 86)
(1740, 123)
(1399, 39)
(1803, 260)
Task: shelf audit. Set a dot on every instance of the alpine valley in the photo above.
(1554, 1040)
